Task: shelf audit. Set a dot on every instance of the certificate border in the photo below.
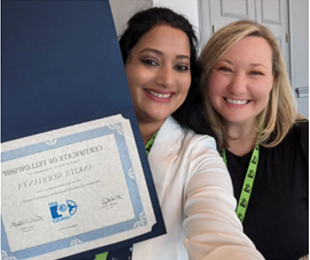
(139, 220)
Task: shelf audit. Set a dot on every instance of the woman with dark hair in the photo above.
(141, 23)
(192, 183)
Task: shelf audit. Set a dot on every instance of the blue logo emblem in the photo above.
(64, 211)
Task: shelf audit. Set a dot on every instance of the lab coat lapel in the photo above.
(164, 153)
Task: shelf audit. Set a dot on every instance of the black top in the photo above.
(277, 216)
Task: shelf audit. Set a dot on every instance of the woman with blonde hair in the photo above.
(263, 140)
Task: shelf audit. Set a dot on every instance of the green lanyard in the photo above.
(248, 182)
(148, 146)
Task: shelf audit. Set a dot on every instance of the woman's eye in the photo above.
(256, 73)
(181, 68)
(225, 69)
(150, 62)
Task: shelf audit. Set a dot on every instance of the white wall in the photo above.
(188, 8)
(122, 10)
(299, 37)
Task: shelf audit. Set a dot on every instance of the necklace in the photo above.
(248, 182)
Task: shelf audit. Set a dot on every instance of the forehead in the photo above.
(165, 36)
(250, 45)
(249, 50)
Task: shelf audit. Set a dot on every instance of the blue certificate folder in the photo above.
(61, 65)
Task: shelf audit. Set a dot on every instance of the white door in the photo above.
(271, 13)
(274, 15)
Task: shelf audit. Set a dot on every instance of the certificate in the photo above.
(73, 189)
(75, 179)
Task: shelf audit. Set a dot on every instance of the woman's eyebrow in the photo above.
(152, 50)
(257, 65)
(227, 61)
(181, 56)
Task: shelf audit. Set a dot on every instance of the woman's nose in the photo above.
(238, 84)
(165, 77)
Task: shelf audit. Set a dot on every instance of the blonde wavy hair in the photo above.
(281, 111)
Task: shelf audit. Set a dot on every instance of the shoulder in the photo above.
(299, 132)
(173, 136)
(177, 146)
(198, 144)
(199, 153)
(297, 140)
(302, 128)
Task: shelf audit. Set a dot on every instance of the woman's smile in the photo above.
(159, 96)
(236, 102)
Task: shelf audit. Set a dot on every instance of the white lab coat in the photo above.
(196, 198)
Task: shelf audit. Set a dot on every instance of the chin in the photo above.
(160, 116)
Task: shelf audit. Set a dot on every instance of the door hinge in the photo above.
(287, 37)
(213, 28)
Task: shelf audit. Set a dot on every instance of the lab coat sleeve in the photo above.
(213, 229)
